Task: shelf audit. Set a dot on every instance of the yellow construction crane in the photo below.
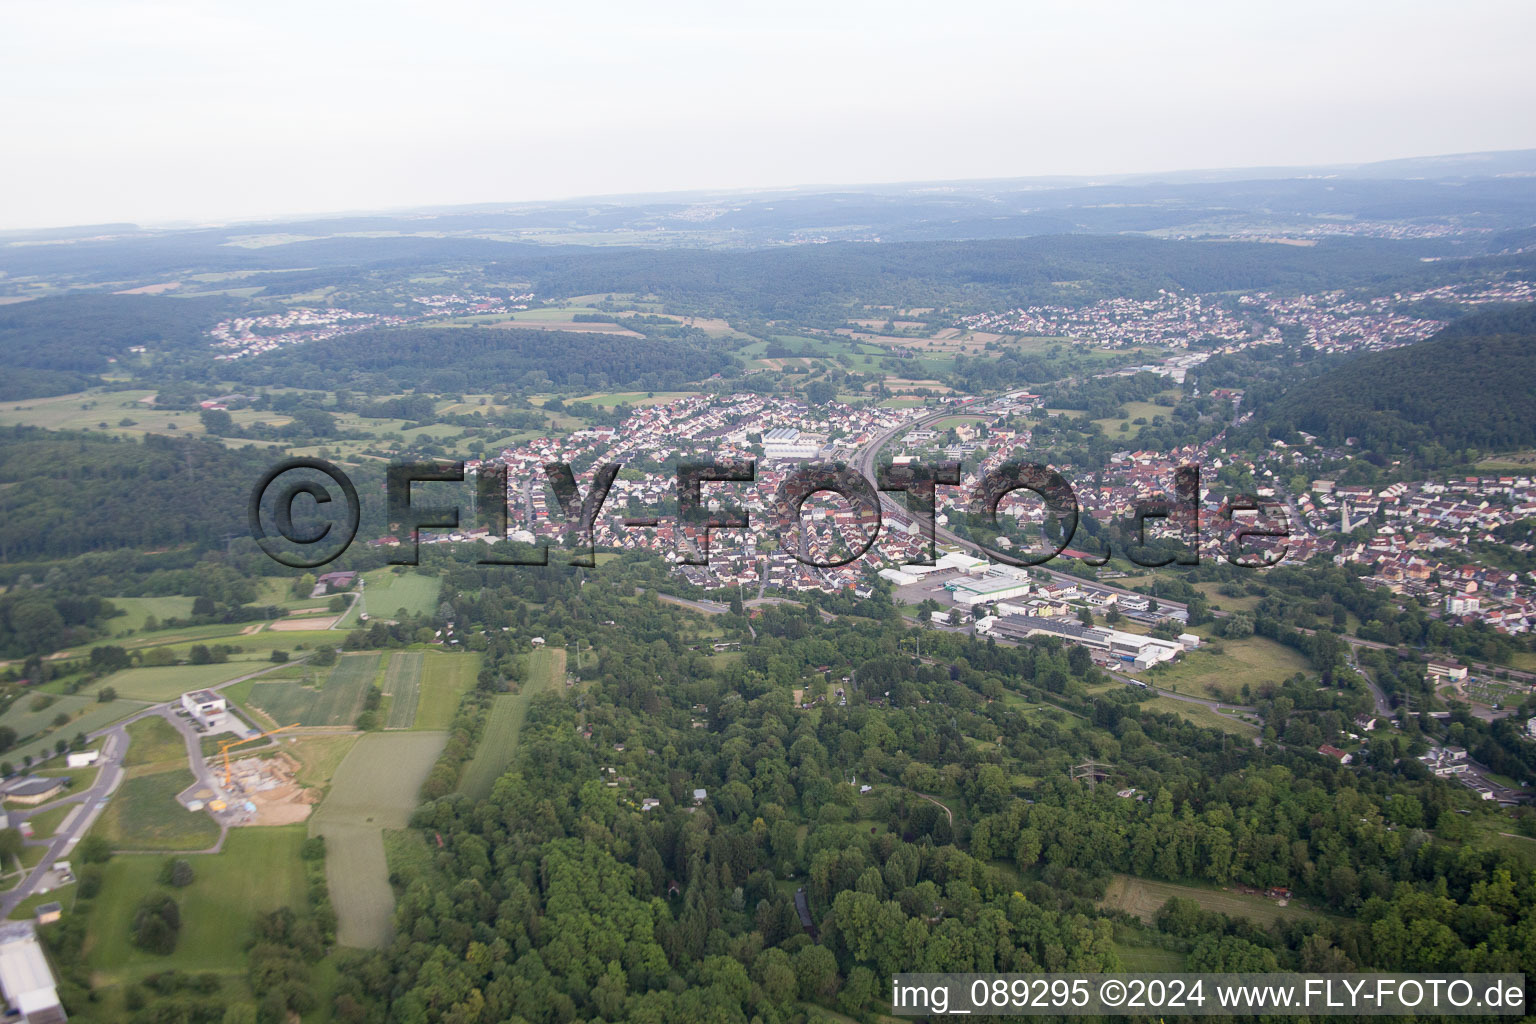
(227, 744)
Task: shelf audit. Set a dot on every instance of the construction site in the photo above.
(255, 791)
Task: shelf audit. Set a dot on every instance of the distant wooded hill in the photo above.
(1473, 385)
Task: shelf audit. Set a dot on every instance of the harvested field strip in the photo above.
(376, 787)
(505, 721)
(402, 683)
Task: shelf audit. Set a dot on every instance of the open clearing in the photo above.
(445, 678)
(376, 787)
(137, 610)
(1143, 897)
(391, 596)
(1201, 715)
(144, 814)
(338, 702)
(257, 871)
(546, 668)
(1252, 660)
(402, 685)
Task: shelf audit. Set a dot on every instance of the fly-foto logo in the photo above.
(302, 533)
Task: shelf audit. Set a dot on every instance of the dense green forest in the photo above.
(55, 346)
(452, 359)
(64, 493)
(559, 899)
(1473, 385)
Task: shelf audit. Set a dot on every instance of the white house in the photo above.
(206, 707)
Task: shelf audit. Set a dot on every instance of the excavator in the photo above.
(224, 747)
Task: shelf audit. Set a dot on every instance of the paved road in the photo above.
(108, 778)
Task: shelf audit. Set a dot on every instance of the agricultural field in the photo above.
(402, 688)
(258, 870)
(445, 678)
(1142, 897)
(144, 814)
(390, 596)
(337, 702)
(376, 787)
(546, 669)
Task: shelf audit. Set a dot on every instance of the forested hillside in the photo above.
(55, 346)
(560, 898)
(63, 494)
(1473, 385)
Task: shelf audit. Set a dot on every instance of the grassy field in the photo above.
(25, 721)
(1133, 411)
(154, 741)
(376, 787)
(257, 871)
(319, 757)
(137, 611)
(402, 685)
(390, 596)
(635, 398)
(1149, 959)
(1201, 715)
(1143, 897)
(546, 670)
(144, 814)
(162, 684)
(1252, 660)
(48, 822)
(445, 678)
(337, 702)
(1216, 598)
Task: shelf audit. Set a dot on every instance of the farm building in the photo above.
(206, 707)
(82, 758)
(25, 977)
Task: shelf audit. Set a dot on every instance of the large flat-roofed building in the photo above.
(969, 592)
(28, 983)
(1142, 651)
(206, 707)
(787, 443)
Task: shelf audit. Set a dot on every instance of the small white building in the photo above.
(82, 758)
(206, 707)
(28, 983)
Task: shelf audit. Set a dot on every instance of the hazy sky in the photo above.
(159, 110)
